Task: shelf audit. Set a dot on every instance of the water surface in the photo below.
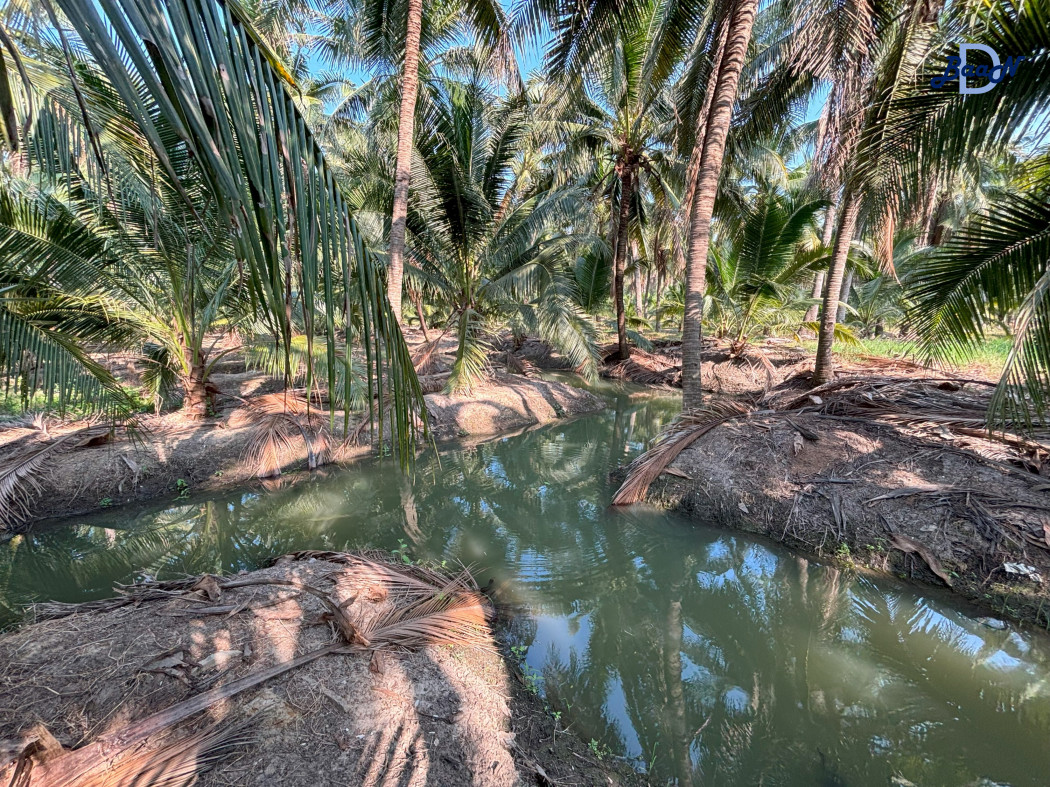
(705, 657)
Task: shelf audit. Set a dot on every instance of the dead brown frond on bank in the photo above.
(279, 422)
(944, 408)
(643, 367)
(21, 475)
(680, 435)
(418, 606)
(454, 615)
(947, 410)
(426, 358)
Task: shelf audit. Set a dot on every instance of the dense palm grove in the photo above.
(312, 177)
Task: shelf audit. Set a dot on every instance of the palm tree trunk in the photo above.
(714, 142)
(626, 194)
(847, 285)
(403, 168)
(639, 295)
(824, 367)
(692, 172)
(195, 398)
(818, 278)
(417, 303)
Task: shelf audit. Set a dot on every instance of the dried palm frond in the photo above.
(21, 475)
(683, 433)
(407, 581)
(453, 615)
(426, 606)
(178, 763)
(947, 405)
(644, 368)
(89, 766)
(426, 358)
(279, 421)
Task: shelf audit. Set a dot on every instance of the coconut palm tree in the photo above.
(888, 62)
(995, 263)
(397, 35)
(756, 268)
(712, 147)
(489, 247)
(207, 88)
(615, 62)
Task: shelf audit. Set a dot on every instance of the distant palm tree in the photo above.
(756, 268)
(385, 33)
(486, 244)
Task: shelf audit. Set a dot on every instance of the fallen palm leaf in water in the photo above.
(908, 546)
(684, 432)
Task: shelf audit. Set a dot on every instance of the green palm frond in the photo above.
(996, 264)
(207, 77)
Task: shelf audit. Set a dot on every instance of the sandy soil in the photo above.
(875, 496)
(435, 715)
(209, 454)
(505, 403)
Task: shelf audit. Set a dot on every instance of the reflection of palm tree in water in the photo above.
(679, 739)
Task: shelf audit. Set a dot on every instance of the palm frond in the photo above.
(689, 428)
(21, 475)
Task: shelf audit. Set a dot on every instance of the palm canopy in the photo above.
(483, 242)
(756, 264)
(194, 82)
(996, 262)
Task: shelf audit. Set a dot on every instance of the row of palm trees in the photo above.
(174, 170)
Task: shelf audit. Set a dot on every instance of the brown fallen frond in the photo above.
(942, 406)
(408, 580)
(88, 766)
(426, 357)
(21, 475)
(177, 763)
(451, 616)
(279, 421)
(643, 368)
(684, 432)
(908, 546)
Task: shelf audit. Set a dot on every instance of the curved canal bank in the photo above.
(699, 654)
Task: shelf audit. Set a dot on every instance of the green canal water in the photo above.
(703, 656)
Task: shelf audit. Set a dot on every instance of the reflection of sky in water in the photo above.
(676, 645)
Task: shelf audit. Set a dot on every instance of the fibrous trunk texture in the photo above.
(626, 194)
(824, 368)
(403, 168)
(714, 141)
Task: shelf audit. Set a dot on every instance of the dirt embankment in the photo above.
(725, 370)
(504, 403)
(327, 668)
(925, 505)
(171, 455)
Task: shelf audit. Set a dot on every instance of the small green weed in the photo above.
(599, 750)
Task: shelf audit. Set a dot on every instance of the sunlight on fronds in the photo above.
(280, 422)
(21, 475)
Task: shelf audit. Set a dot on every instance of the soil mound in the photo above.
(894, 474)
(326, 668)
(504, 403)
